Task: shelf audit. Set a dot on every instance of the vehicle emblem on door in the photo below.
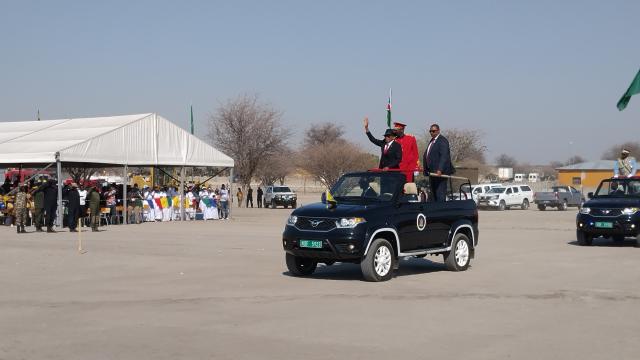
(421, 222)
(315, 223)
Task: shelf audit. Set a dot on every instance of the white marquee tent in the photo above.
(128, 140)
(134, 140)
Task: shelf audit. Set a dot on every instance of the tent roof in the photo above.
(136, 140)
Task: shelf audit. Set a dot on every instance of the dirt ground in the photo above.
(220, 290)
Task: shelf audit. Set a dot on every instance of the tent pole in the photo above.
(125, 178)
(182, 217)
(59, 221)
(230, 192)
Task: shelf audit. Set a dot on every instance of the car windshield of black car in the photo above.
(357, 188)
(619, 188)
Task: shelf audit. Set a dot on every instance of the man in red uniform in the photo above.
(410, 162)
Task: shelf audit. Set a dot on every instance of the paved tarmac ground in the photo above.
(220, 290)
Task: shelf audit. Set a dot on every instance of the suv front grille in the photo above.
(606, 212)
(315, 224)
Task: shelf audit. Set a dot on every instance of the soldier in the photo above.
(73, 207)
(38, 210)
(409, 163)
(94, 205)
(50, 203)
(625, 165)
(259, 196)
(240, 196)
(249, 197)
(20, 207)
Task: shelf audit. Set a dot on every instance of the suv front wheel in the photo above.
(299, 266)
(379, 262)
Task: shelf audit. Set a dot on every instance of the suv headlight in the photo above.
(292, 220)
(630, 211)
(585, 210)
(349, 222)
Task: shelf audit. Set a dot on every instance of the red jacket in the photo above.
(410, 161)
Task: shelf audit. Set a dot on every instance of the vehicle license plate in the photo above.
(605, 225)
(313, 244)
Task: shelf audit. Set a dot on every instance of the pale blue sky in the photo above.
(540, 78)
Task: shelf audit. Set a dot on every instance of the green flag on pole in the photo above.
(389, 110)
(633, 89)
(191, 119)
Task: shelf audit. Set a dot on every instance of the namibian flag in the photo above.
(158, 203)
(633, 89)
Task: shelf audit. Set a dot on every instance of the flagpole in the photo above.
(389, 110)
(191, 118)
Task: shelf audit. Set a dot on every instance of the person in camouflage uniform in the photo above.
(94, 205)
(38, 210)
(20, 207)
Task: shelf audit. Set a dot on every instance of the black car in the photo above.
(375, 219)
(613, 211)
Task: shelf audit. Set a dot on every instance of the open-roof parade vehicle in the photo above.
(375, 218)
(613, 211)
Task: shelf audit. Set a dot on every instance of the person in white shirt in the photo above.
(224, 202)
(83, 203)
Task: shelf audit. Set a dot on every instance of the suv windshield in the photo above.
(366, 187)
(281, 189)
(619, 188)
(496, 190)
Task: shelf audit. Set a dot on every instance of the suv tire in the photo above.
(542, 207)
(584, 239)
(459, 257)
(299, 266)
(525, 204)
(502, 206)
(273, 204)
(379, 262)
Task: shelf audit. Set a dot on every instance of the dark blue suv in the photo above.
(613, 211)
(376, 219)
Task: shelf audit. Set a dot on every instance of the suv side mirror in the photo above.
(323, 197)
(590, 195)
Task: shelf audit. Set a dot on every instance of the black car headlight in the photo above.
(348, 223)
(585, 210)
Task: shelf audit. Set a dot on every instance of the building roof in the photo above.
(136, 140)
(590, 165)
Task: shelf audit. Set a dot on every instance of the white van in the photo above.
(518, 177)
(533, 177)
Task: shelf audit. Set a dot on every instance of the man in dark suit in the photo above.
(390, 150)
(437, 161)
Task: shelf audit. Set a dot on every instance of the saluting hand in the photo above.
(366, 124)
